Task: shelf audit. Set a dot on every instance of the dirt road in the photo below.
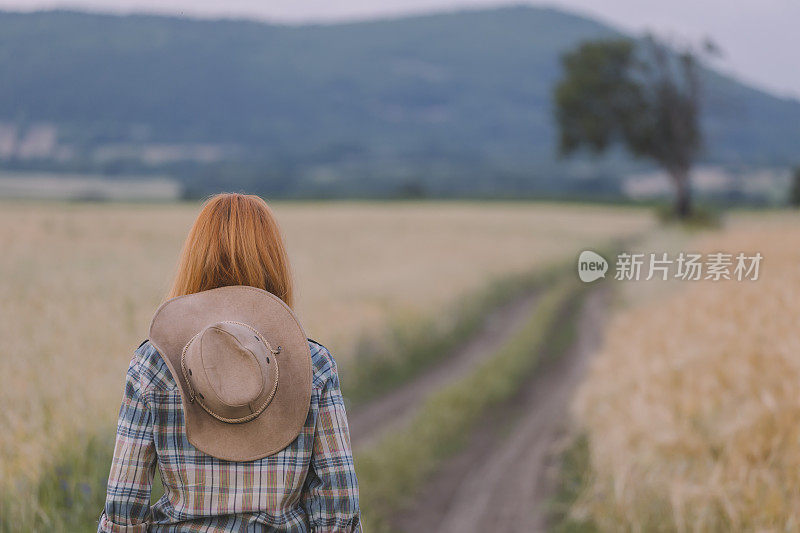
(370, 421)
(502, 479)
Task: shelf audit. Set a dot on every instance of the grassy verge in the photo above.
(574, 472)
(394, 468)
(388, 359)
(69, 497)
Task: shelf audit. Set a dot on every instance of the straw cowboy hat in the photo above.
(243, 368)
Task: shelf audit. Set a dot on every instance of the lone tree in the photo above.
(643, 95)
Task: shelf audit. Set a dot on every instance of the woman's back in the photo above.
(309, 484)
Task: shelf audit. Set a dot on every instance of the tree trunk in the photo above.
(683, 194)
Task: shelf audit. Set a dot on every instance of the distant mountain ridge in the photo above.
(453, 102)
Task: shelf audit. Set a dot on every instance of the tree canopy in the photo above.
(642, 95)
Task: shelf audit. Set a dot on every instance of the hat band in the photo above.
(193, 395)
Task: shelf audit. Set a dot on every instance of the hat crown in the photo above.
(231, 357)
(230, 370)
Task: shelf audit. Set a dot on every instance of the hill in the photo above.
(446, 103)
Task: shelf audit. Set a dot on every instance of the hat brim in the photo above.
(178, 319)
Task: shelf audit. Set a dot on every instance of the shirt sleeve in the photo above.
(127, 506)
(330, 495)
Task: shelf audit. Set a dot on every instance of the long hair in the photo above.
(235, 240)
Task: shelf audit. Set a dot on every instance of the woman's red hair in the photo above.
(235, 240)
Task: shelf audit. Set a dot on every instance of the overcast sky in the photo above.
(760, 38)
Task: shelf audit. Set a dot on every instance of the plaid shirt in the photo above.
(309, 486)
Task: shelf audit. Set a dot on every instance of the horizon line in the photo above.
(243, 16)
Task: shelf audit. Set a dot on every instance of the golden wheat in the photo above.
(692, 407)
(79, 284)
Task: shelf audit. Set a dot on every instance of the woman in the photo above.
(240, 412)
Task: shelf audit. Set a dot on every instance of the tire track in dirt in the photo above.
(503, 478)
(374, 419)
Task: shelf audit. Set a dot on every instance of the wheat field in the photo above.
(80, 282)
(692, 407)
